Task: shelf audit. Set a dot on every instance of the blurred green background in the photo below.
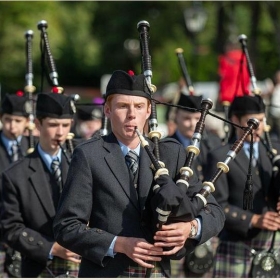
(91, 38)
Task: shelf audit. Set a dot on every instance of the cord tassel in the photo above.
(248, 194)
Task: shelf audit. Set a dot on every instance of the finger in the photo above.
(168, 244)
(173, 238)
(74, 260)
(168, 233)
(144, 264)
(147, 258)
(172, 251)
(151, 251)
(147, 247)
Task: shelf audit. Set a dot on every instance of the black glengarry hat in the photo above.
(247, 104)
(191, 101)
(89, 111)
(128, 84)
(55, 105)
(16, 104)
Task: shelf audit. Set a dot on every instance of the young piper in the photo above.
(104, 212)
(31, 189)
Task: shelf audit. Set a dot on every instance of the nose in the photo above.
(12, 125)
(59, 130)
(193, 123)
(131, 112)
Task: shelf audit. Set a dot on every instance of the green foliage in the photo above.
(87, 38)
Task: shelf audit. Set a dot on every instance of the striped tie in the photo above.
(56, 172)
(14, 149)
(131, 159)
(254, 158)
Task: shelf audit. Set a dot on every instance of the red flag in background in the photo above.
(234, 75)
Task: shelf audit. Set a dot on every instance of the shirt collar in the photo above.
(246, 147)
(8, 142)
(47, 158)
(182, 139)
(125, 149)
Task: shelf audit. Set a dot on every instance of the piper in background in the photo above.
(13, 146)
(88, 120)
(247, 231)
(30, 192)
(186, 122)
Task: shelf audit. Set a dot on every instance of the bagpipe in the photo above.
(68, 148)
(53, 80)
(201, 259)
(29, 89)
(184, 70)
(255, 89)
(105, 125)
(170, 201)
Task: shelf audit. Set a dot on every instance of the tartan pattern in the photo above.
(179, 269)
(59, 266)
(233, 259)
(138, 271)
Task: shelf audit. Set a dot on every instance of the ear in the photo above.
(234, 119)
(37, 124)
(107, 110)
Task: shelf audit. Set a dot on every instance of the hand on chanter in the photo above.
(173, 236)
(139, 250)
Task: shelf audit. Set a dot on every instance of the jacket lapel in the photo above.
(265, 168)
(5, 157)
(119, 168)
(40, 183)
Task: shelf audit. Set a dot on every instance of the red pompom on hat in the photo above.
(15, 104)
(20, 93)
(130, 73)
(55, 90)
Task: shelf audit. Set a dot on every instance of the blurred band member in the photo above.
(88, 120)
(186, 122)
(250, 230)
(13, 146)
(31, 190)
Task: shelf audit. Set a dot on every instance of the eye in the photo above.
(122, 105)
